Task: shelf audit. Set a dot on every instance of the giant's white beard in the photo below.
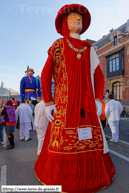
(77, 36)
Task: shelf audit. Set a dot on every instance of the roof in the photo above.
(106, 39)
(11, 90)
(91, 41)
(1, 88)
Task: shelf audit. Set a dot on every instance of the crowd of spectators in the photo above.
(25, 117)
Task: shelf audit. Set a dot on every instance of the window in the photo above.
(110, 66)
(115, 40)
(117, 63)
(114, 63)
(117, 90)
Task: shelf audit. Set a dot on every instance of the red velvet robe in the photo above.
(77, 165)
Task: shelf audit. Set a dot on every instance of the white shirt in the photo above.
(41, 120)
(113, 110)
(25, 113)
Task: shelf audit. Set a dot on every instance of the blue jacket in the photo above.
(28, 89)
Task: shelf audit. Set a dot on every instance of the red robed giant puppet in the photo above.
(78, 161)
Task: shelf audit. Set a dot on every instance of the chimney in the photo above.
(111, 30)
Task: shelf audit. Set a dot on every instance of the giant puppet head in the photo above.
(30, 71)
(73, 18)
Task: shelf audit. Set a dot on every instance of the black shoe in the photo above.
(22, 139)
(10, 147)
(29, 139)
(11, 141)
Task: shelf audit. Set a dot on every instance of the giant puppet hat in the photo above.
(30, 69)
(66, 9)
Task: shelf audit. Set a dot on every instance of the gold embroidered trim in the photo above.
(75, 152)
(39, 180)
(75, 49)
(45, 184)
(82, 127)
(98, 100)
(49, 103)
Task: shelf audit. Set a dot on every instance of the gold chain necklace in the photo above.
(76, 50)
(30, 79)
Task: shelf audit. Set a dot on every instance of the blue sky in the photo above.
(28, 30)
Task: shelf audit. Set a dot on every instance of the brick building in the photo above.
(113, 53)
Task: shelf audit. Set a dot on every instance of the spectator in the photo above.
(113, 110)
(10, 121)
(106, 96)
(3, 102)
(18, 103)
(25, 117)
(38, 99)
(40, 123)
(124, 112)
(26, 99)
(14, 103)
(102, 116)
(1, 126)
(32, 108)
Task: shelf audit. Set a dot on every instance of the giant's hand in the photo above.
(48, 111)
(98, 107)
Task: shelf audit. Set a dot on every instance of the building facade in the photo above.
(4, 92)
(113, 53)
(8, 93)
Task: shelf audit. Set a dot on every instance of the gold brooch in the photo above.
(79, 56)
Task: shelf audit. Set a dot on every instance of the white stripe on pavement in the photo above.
(124, 119)
(119, 155)
(119, 140)
(3, 176)
(124, 142)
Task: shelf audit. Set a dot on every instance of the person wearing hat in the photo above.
(29, 86)
(75, 152)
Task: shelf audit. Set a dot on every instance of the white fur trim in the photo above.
(94, 61)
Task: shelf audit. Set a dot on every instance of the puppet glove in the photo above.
(98, 107)
(48, 111)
